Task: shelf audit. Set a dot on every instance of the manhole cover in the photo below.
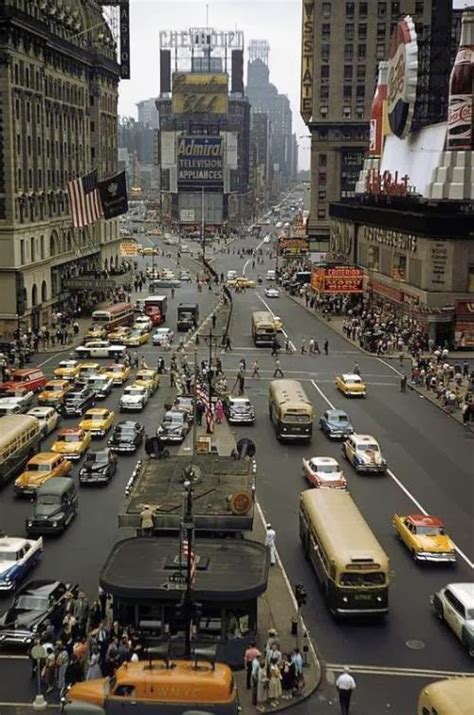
(415, 645)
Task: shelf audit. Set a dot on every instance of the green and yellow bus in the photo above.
(350, 564)
(447, 697)
(20, 436)
(263, 328)
(290, 410)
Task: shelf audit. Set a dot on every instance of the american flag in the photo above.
(184, 551)
(84, 200)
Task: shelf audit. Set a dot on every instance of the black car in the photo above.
(239, 410)
(126, 437)
(35, 603)
(98, 468)
(77, 402)
(174, 428)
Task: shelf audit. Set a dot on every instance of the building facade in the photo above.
(342, 44)
(58, 94)
(261, 165)
(148, 113)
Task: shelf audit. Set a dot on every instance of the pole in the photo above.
(188, 595)
(195, 404)
(210, 372)
(203, 239)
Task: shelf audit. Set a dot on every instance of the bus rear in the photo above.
(263, 328)
(114, 316)
(290, 410)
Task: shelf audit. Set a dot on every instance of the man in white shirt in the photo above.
(270, 538)
(345, 684)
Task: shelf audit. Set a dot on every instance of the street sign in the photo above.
(38, 652)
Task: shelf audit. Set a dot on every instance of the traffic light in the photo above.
(300, 594)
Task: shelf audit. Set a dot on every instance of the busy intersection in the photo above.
(429, 471)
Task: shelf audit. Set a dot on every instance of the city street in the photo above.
(430, 468)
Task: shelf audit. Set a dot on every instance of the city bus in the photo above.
(350, 564)
(170, 688)
(263, 328)
(447, 697)
(290, 410)
(113, 316)
(20, 436)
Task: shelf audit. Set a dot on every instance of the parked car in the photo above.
(98, 468)
(239, 410)
(336, 424)
(134, 398)
(126, 437)
(36, 603)
(77, 402)
(101, 349)
(17, 557)
(48, 417)
(455, 604)
(174, 427)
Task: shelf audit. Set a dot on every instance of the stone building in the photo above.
(58, 120)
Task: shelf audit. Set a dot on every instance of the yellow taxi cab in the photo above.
(96, 332)
(118, 372)
(97, 421)
(86, 369)
(38, 470)
(72, 442)
(241, 282)
(425, 538)
(351, 385)
(67, 370)
(54, 392)
(136, 338)
(119, 334)
(149, 378)
(278, 323)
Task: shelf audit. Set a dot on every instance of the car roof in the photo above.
(70, 430)
(336, 413)
(40, 410)
(424, 520)
(44, 586)
(324, 460)
(97, 410)
(463, 591)
(127, 423)
(11, 543)
(57, 381)
(67, 362)
(43, 457)
(363, 438)
(56, 486)
(174, 412)
(351, 376)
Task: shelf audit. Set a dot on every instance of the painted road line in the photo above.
(292, 345)
(406, 672)
(14, 657)
(55, 355)
(400, 484)
(288, 584)
(391, 367)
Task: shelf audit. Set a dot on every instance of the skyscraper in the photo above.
(342, 44)
(148, 113)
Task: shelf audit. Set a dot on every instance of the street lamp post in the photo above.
(188, 528)
(211, 337)
(203, 230)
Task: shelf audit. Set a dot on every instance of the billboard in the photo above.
(293, 246)
(200, 93)
(200, 161)
(340, 279)
(128, 248)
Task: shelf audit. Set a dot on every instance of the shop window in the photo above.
(373, 258)
(399, 268)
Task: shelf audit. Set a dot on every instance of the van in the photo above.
(271, 275)
(55, 507)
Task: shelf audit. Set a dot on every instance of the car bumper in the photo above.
(172, 439)
(123, 448)
(371, 468)
(99, 433)
(77, 412)
(447, 558)
(45, 402)
(131, 407)
(336, 434)
(241, 419)
(355, 393)
(22, 638)
(25, 491)
(93, 478)
(72, 457)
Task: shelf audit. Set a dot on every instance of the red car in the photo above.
(24, 380)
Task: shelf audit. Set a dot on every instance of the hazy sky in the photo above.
(278, 21)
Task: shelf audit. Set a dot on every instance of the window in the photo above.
(360, 73)
(325, 71)
(326, 9)
(325, 29)
(362, 31)
(323, 161)
(347, 71)
(361, 52)
(348, 52)
(30, 178)
(321, 212)
(360, 91)
(363, 9)
(324, 93)
(349, 9)
(419, 7)
(322, 195)
(399, 268)
(373, 258)
(32, 250)
(325, 50)
(347, 91)
(380, 51)
(22, 253)
(322, 178)
(380, 31)
(349, 32)
(41, 247)
(382, 9)
(17, 108)
(395, 8)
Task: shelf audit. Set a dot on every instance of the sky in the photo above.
(278, 21)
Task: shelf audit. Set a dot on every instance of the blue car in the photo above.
(336, 424)
(17, 557)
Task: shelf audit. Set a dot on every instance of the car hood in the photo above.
(46, 511)
(171, 428)
(90, 691)
(67, 446)
(437, 544)
(92, 424)
(51, 395)
(33, 479)
(14, 618)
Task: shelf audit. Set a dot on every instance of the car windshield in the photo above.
(173, 417)
(353, 380)
(55, 388)
(44, 503)
(31, 603)
(133, 391)
(39, 467)
(97, 457)
(339, 418)
(326, 468)
(367, 448)
(294, 418)
(240, 404)
(69, 438)
(376, 578)
(430, 530)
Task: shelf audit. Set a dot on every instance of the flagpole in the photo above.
(202, 225)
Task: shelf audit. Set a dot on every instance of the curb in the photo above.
(454, 417)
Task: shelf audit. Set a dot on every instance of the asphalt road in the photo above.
(430, 459)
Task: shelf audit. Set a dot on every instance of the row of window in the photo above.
(31, 77)
(383, 8)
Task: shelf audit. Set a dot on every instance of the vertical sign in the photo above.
(307, 60)
(125, 40)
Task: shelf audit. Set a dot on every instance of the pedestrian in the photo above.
(241, 380)
(255, 369)
(345, 684)
(251, 653)
(274, 685)
(135, 359)
(254, 677)
(356, 369)
(227, 344)
(143, 365)
(262, 685)
(146, 520)
(277, 370)
(94, 670)
(242, 364)
(62, 662)
(172, 292)
(316, 348)
(303, 346)
(403, 383)
(270, 538)
(287, 346)
(326, 347)
(200, 408)
(214, 320)
(220, 416)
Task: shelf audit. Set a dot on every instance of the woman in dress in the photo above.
(220, 416)
(274, 686)
(94, 670)
(262, 684)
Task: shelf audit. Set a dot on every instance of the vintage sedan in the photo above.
(272, 292)
(97, 421)
(17, 557)
(336, 424)
(101, 385)
(39, 469)
(67, 370)
(455, 604)
(174, 427)
(149, 378)
(134, 398)
(54, 392)
(278, 322)
(136, 338)
(48, 417)
(351, 385)
(241, 282)
(95, 332)
(324, 472)
(162, 336)
(100, 349)
(239, 410)
(118, 372)
(16, 404)
(24, 380)
(35, 604)
(425, 538)
(364, 453)
(98, 468)
(118, 334)
(72, 442)
(87, 369)
(77, 402)
(126, 437)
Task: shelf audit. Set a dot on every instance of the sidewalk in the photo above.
(336, 323)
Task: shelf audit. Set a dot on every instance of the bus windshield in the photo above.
(374, 578)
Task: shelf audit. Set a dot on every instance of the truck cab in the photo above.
(188, 316)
